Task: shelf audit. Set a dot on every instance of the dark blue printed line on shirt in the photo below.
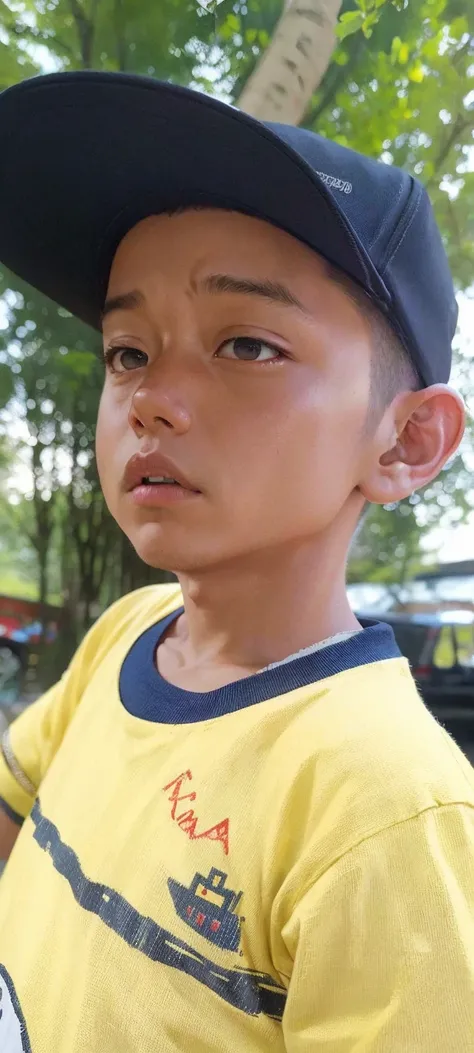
(253, 992)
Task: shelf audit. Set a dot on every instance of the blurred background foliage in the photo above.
(399, 85)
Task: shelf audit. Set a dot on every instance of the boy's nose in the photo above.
(153, 408)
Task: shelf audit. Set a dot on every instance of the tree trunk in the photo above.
(85, 29)
(294, 63)
(119, 22)
(43, 578)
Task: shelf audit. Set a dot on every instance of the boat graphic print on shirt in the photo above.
(209, 908)
(251, 991)
(13, 1032)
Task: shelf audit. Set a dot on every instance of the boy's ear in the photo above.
(419, 432)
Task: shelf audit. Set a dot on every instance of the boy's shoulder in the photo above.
(368, 756)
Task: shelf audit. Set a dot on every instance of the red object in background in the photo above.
(9, 625)
(19, 617)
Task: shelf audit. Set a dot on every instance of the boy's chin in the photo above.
(165, 550)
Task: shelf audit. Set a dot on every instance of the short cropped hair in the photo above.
(392, 370)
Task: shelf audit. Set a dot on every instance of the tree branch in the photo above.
(68, 50)
(85, 29)
(119, 32)
(460, 125)
(336, 84)
(36, 36)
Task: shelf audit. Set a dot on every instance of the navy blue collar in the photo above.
(145, 693)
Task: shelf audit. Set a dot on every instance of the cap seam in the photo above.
(378, 236)
(401, 238)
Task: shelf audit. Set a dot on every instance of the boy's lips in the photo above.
(154, 479)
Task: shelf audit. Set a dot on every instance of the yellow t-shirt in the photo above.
(286, 863)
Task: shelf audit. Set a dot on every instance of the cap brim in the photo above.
(85, 156)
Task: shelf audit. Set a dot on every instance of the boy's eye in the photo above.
(124, 359)
(249, 349)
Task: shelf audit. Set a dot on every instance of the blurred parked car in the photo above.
(25, 625)
(13, 665)
(440, 649)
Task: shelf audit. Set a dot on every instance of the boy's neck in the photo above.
(251, 613)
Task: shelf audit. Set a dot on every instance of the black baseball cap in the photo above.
(85, 156)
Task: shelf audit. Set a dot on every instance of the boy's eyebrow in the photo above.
(124, 302)
(264, 288)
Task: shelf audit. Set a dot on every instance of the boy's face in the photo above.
(258, 397)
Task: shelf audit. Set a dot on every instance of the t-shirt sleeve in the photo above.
(383, 944)
(30, 743)
(27, 747)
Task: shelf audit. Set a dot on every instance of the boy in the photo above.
(241, 829)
